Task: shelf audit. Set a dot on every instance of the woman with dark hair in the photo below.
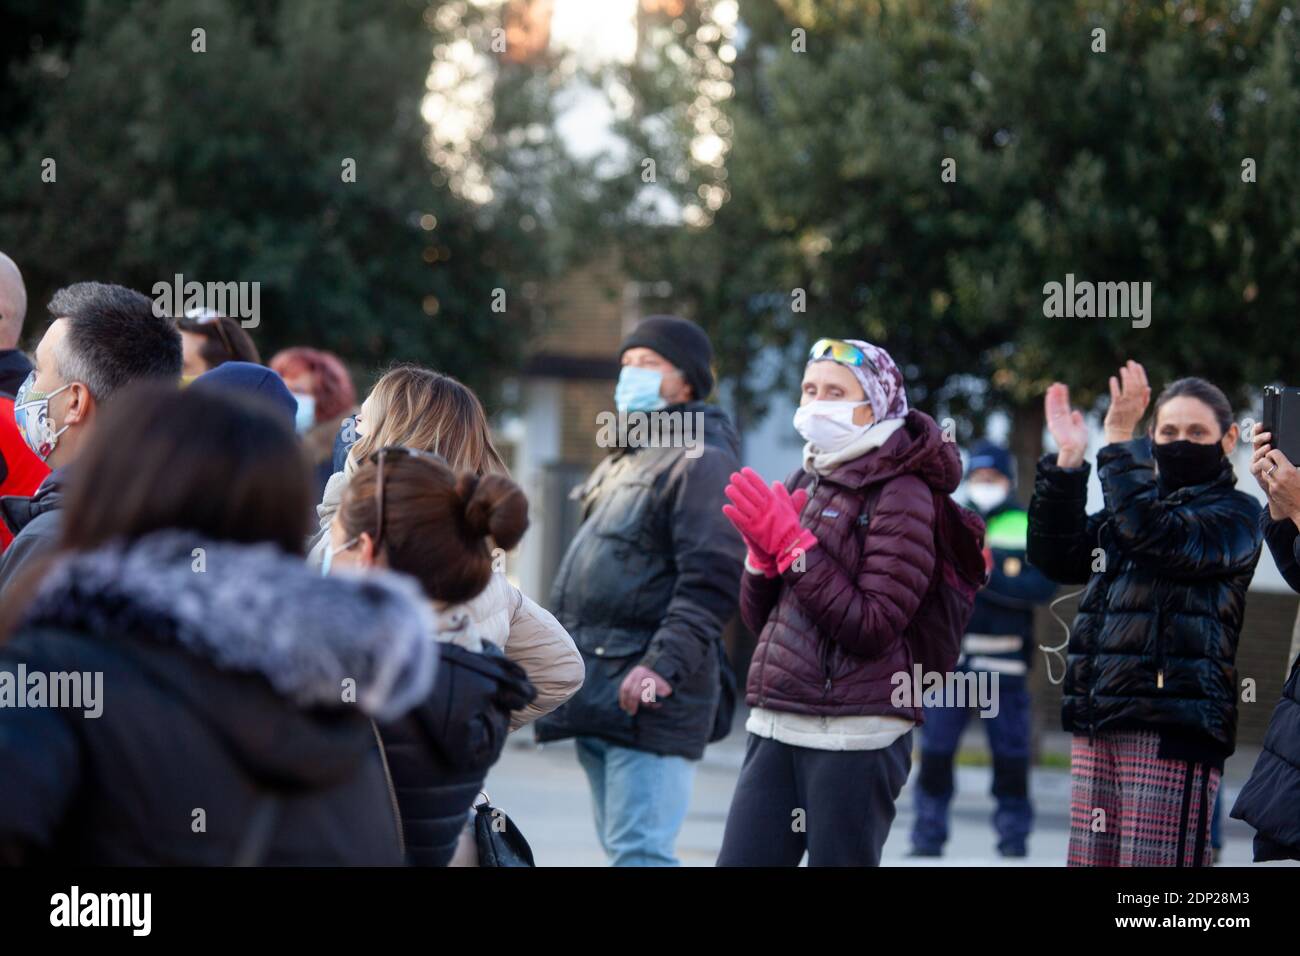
(326, 396)
(407, 510)
(209, 340)
(1150, 677)
(225, 691)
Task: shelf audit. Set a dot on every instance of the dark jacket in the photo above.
(651, 578)
(238, 691)
(1154, 644)
(14, 369)
(35, 524)
(439, 753)
(1270, 800)
(1000, 635)
(833, 635)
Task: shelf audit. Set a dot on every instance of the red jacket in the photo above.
(21, 472)
(832, 637)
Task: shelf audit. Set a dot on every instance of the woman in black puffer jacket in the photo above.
(408, 511)
(1150, 680)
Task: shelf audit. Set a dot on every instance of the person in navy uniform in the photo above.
(999, 640)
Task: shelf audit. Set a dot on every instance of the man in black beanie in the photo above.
(645, 589)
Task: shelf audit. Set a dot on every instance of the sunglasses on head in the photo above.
(846, 353)
(212, 318)
(378, 458)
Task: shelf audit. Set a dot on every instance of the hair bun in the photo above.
(494, 505)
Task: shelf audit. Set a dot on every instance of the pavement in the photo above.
(544, 791)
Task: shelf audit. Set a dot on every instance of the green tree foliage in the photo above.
(227, 165)
(1116, 165)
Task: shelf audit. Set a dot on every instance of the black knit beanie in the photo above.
(681, 342)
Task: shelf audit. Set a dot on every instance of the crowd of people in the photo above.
(310, 652)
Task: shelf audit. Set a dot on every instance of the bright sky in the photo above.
(597, 30)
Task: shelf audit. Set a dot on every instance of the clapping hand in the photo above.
(1066, 425)
(1129, 397)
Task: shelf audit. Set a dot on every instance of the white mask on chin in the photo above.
(829, 426)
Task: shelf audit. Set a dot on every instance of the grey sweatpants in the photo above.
(836, 804)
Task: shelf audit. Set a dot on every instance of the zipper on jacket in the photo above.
(1160, 643)
(392, 790)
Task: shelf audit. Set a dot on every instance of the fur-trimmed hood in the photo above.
(253, 609)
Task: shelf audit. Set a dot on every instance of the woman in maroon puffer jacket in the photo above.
(835, 573)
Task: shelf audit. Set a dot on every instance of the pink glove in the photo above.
(768, 517)
(757, 559)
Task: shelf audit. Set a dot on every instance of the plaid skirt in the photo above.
(1129, 807)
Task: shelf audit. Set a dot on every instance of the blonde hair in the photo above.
(419, 408)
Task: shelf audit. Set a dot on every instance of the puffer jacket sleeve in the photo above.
(1022, 592)
(1221, 536)
(439, 753)
(1282, 541)
(543, 648)
(866, 610)
(1062, 536)
(758, 595)
(709, 555)
(40, 769)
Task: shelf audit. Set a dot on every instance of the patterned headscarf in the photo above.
(885, 391)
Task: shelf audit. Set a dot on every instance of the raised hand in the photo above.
(1278, 477)
(1067, 426)
(1129, 397)
(1259, 460)
(746, 505)
(768, 518)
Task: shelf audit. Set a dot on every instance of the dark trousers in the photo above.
(835, 804)
(1009, 734)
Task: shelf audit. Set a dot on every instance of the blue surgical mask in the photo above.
(328, 561)
(32, 416)
(305, 415)
(638, 390)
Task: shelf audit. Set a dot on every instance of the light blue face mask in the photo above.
(305, 415)
(638, 390)
(328, 561)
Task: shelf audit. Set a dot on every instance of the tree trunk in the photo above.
(1027, 424)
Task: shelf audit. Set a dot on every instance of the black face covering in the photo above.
(1183, 463)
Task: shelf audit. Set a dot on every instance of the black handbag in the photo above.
(726, 713)
(497, 839)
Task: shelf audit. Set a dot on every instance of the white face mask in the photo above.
(327, 563)
(829, 426)
(986, 495)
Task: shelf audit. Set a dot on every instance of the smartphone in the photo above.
(1281, 419)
